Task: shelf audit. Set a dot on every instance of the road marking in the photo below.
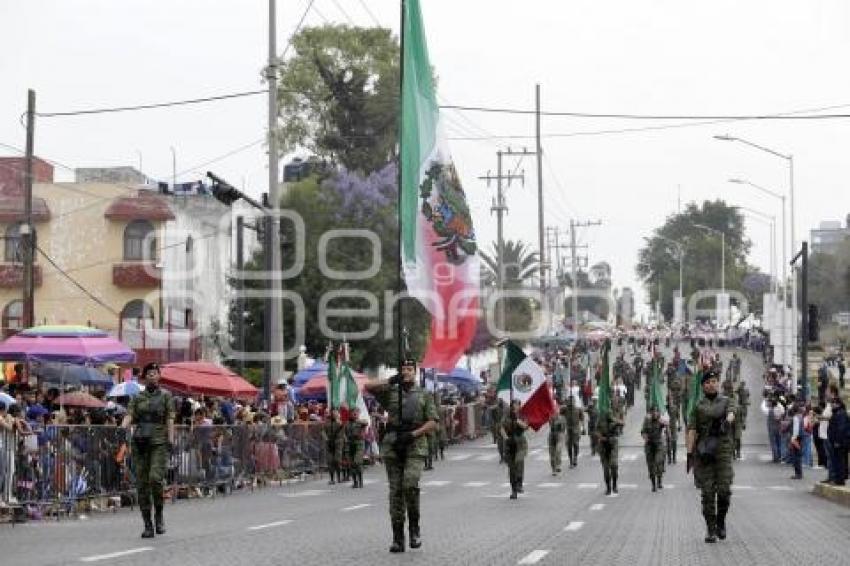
(669, 486)
(630, 457)
(307, 493)
(628, 486)
(487, 457)
(765, 457)
(270, 525)
(574, 526)
(535, 451)
(506, 484)
(597, 507)
(533, 557)
(542, 458)
(550, 484)
(780, 487)
(436, 483)
(736, 487)
(459, 457)
(356, 507)
(588, 485)
(100, 557)
(497, 496)
(476, 484)
(369, 482)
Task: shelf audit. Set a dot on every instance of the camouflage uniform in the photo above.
(516, 449)
(608, 429)
(653, 430)
(557, 427)
(404, 464)
(713, 451)
(333, 437)
(591, 426)
(442, 441)
(498, 413)
(151, 412)
(674, 410)
(743, 403)
(354, 449)
(575, 418)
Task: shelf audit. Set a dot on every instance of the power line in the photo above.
(151, 106)
(297, 29)
(221, 157)
(368, 11)
(344, 13)
(77, 283)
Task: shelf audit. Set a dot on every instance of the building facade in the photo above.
(829, 236)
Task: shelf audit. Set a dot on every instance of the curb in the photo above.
(835, 493)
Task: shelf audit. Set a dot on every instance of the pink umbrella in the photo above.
(80, 399)
(207, 379)
(72, 345)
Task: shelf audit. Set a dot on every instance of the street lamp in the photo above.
(173, 169)
(789, 158)
(677, 306)
(770, 220)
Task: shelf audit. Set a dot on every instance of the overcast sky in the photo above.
(627, 56)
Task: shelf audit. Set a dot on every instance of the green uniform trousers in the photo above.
(573, 437)
(654, 459)
(555, 451)
(150, 463)
(609, 453)
(403, 476)
(715, 479)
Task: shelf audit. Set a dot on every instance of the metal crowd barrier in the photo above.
(61, 469)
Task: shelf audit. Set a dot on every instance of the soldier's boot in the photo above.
(711, 527)
(398, 537)
(159, 521)
(413, 528)
(607, 482)
(331, 473)
(519, 488)
(722, 509)
(652, 479)
(614, 480)
(658, 481)
(360, 478)
(146, 517)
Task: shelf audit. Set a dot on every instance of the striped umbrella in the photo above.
(126, 389)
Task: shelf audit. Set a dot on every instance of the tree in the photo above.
(339, 95)
(658, 260)
(520, 264)
(342, 201)
(829, 281)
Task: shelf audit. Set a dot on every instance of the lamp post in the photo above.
(770, 220)
(789, 159)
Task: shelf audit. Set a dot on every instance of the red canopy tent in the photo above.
(205, 378)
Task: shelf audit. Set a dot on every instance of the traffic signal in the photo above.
(814, 325)
(223, 191)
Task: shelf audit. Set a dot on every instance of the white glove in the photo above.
(730, 417)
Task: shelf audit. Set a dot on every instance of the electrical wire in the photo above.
(368, 11)
(153, 105)
(76, 283)
(344, 13)
(297, 29)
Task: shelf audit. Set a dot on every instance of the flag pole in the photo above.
(399, 325)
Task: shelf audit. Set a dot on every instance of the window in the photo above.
(13, 317)
(136, 309)
(139, 241)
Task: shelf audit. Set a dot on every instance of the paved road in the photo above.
(468, 519)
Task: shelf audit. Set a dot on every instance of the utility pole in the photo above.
(803, 256)
(544, 258)
(28, 237)
(240, 302)
(274, 365)
(500, 208)
(573, 247)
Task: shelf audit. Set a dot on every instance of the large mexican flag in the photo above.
(439, 252)
(522, 380)
(343, 393)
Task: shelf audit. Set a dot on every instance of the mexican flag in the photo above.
(522, 380)
(695, 392)
(438, 248)
(656, 392)
(343, 393)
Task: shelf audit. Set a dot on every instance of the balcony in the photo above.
(12, 275)
(136, 275)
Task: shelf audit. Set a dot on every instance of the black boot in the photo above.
(614, 480)
(722, 509)
(159, 521)
(658, 482)
(146, 517)
(711, 530)
(398, 538)
(652, 479)
(415, 540)
(607, 483)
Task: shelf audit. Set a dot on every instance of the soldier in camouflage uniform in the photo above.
(608, 429)
(333, 437)
(497, 416)
(516, 447)
(592, 415)
(151, 412)
(557, 429)
(442, 441)
(674, 410)
(743, 403)
(355, 432)
(404, 447)
(575, 422)
(711, 443)
(653, 434)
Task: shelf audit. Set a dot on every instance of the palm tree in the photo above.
(520, 264)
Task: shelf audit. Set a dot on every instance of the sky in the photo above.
(670, 57)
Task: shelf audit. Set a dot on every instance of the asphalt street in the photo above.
(468, 518)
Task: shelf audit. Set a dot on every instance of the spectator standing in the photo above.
(808, 419)
(796, 442)
(842, 369)
(773, 411)
(823, 380)
(838, 435)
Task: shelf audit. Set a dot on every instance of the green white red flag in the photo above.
(438, 248)
(343, 392)
(522, 380)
